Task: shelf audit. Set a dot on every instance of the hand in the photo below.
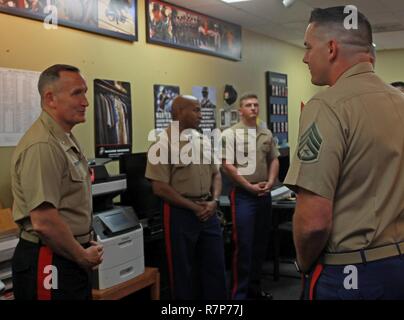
(200, 212)
(266, 187)
(93, 256)
(209, 209)
(258, 189)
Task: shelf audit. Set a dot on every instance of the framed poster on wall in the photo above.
(277, 107)
(163, 99)
(174, 26)
(113, 18)
(207, 99)
(112, 118)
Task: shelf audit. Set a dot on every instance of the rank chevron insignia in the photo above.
(310, 144)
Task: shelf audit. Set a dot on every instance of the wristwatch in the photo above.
(297, 267)
(217, 200)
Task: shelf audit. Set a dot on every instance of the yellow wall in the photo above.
(29, 46)
(389, 65)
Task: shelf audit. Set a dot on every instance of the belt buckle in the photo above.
(205, 198)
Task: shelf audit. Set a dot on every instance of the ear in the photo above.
(49, 98)
(332, 50)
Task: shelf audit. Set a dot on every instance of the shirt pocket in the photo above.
(76, 174)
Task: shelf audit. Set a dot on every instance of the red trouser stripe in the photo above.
(235, 243)
(314, 278)
(167, 235)
(45, 259)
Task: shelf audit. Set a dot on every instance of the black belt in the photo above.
(205, 197)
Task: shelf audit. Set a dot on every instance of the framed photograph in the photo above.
(113, 18)
(234, 117)
(177, 27)
(225, 119)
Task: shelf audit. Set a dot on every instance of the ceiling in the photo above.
(271, 18)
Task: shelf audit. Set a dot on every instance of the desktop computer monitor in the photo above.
(139, 193)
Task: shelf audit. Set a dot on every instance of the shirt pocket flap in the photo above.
(75, 174)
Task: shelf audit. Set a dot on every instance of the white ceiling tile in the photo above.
(382, 18)
(393, 5)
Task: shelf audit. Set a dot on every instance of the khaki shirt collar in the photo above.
(241, 125)
(194, 132)
(56, 130)
(363, 67)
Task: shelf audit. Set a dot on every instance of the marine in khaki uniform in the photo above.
(348, 169)
(190, 188)
(52, 196)
(250, 159)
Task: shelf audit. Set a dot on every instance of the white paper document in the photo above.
(19, 104)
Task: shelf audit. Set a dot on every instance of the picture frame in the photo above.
(164, 96)
(112, 18)
(234, 117)
(112, 118)
(277, 107)
(177, 27)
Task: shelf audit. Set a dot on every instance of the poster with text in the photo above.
(20, 104)
(163, 99)
(112, 118)
(207, 98)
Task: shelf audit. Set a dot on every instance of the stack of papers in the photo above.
(281, 193)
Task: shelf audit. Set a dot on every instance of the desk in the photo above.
(277, 208)
(150, 277)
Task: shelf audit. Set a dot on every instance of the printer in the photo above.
(117, 228)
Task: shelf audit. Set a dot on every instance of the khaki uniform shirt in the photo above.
(351, 151)
(235, 146)
(188, 179)
(48, 166)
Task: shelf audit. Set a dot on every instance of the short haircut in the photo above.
(398, 84)
(248, 95)
(52, 74)
(180, 102)
(333, 19)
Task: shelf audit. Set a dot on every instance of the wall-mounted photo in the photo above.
(112, 118)
(181, 28)
(113, 18)
(207, 99)
(234, 117)
(163, 99)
